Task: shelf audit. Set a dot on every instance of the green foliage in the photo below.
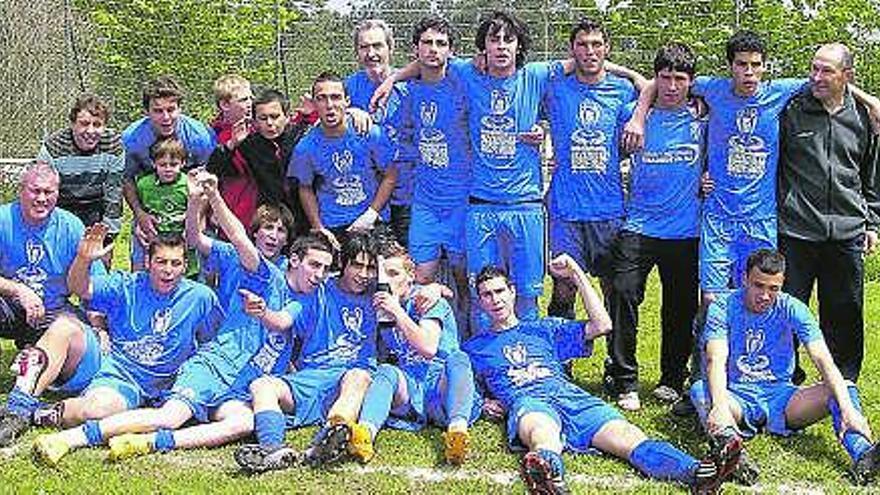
(195, 41)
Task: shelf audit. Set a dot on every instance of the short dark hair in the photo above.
(489, 272)
(675, 56)
(587, 25)
(91, 103)
(436, 23)
(313, 240)
(162, 87)
(357, 243)
(767, 261)
(167, 239)
(326, 76)
(745, 41)
(267, 213)
(497, 20)
(272, 96)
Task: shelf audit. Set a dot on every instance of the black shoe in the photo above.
(256, 458)
(12, 426)
(724, 455)
(684, 407)
(865, 469)
(329, 446)
(539, 477)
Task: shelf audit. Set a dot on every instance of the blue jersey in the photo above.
(436, 113)
(360, 88)
(760, 345)
(526, 360)
(39, 256)
(744, 145)
(344, 171)
(585, 122)
(336, 329)
(664, 197)
(505, 169)
(408, 359)
(225, 262)
(152, 334)
(138, 138)
(244, 348)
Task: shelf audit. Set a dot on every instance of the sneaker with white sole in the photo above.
(629, 401)
(665, 393)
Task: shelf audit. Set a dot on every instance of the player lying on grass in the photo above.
(520, 363)
(212, 386)
(156, 319)
(749, 360)
(426, 377)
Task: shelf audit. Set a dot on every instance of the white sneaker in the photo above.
(665, 393)
(629, 401)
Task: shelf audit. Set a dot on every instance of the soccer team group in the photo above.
(286, 263)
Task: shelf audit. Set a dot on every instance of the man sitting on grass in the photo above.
(749, 361)
(520, 363)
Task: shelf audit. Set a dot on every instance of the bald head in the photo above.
(830, 72)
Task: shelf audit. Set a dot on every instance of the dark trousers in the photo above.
(13, 324)
(634, 255)
(838, 269)
(401, 215)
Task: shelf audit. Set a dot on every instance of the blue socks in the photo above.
(22, 403)
(660, 460)
(555, 461)
(377, 402)
(164, 440)
(855, 443)
(459, 400)
(92, 431)
(268, 426)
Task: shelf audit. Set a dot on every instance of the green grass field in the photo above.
(411, 463)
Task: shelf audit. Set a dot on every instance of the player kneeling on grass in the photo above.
(213, 384)
(155, 320)
(749, 360)
(520, 363)
(431, 380)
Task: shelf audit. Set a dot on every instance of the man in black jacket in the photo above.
(829, 201)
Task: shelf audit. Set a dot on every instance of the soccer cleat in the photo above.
(129, 445)
(361, 444)
(684, 407)
(49, 449)
(539, 477)
(493, 410)
(12, 426)
(665, 393)
(28, 365)
(256, 458)
(864, 470)
(329, 445)
(49, 416)
(725, 452)
(457, 443)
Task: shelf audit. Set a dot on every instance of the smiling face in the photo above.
(163, 114)
(358, 274)
(747, 69)
(38, 194)
(373, 52)
(589, 50)
(87, 129)
(306, 274)
(166, 266)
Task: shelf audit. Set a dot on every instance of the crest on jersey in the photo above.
(342, 161)
(161, 321)
(516, 354)
(35, 251)
(428, 112)
(588, 113)
(353, 319)
(499, 102)
(747, 120)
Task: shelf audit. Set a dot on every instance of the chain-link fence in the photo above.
(52, 49)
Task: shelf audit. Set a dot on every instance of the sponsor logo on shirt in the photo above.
(433, 149)
(746, 153)
(349, 187)
(754, 365)
(33, 275)
(521, 370)
(497, 130)
(589, 145)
